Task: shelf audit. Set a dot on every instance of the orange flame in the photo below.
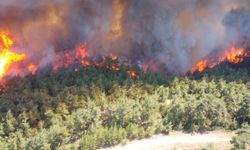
(6, 56)
(200, 66)
(32, 68)
(82, 55)
(133, 74)
(235, 56)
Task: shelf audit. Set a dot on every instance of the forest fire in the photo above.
(66, 34)
(80, 55)
(7, 57)
(87, 58)
(92, 74)
(234, 56)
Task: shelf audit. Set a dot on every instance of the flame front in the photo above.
(200, 66)
(7, 57)
(84, 56)
(234, 56)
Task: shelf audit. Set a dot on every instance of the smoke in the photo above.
(173, 34)
(237, 23)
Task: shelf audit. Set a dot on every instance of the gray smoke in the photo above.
(173, 34)
(237, 24)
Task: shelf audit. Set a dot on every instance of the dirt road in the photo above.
(179, 141)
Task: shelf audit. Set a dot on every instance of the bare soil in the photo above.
(181, 141)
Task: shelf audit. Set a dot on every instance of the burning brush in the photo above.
(166, 36)
(234, 56)
(81, 55)
(87, 58)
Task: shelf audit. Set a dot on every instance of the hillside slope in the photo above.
(95, 107)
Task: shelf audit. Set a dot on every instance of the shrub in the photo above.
(51, 138)
(99, 137)
(243, 114)
(242, 140)
(196, 115)
(103, 107)
(134, 132)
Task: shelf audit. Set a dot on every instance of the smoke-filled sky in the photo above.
(173, 33)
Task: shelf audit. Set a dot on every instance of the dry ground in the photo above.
(181, 141)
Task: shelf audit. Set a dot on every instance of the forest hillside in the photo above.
(94, 107)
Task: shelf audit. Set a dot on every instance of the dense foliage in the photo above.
(95, 107)
(242, 140)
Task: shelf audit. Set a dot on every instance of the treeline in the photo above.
(95, 107)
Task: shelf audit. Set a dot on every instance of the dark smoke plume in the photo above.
(173, 33)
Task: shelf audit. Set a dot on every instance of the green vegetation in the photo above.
(242, 140)
(95, 107)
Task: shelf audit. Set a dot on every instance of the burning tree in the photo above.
(7, 57)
